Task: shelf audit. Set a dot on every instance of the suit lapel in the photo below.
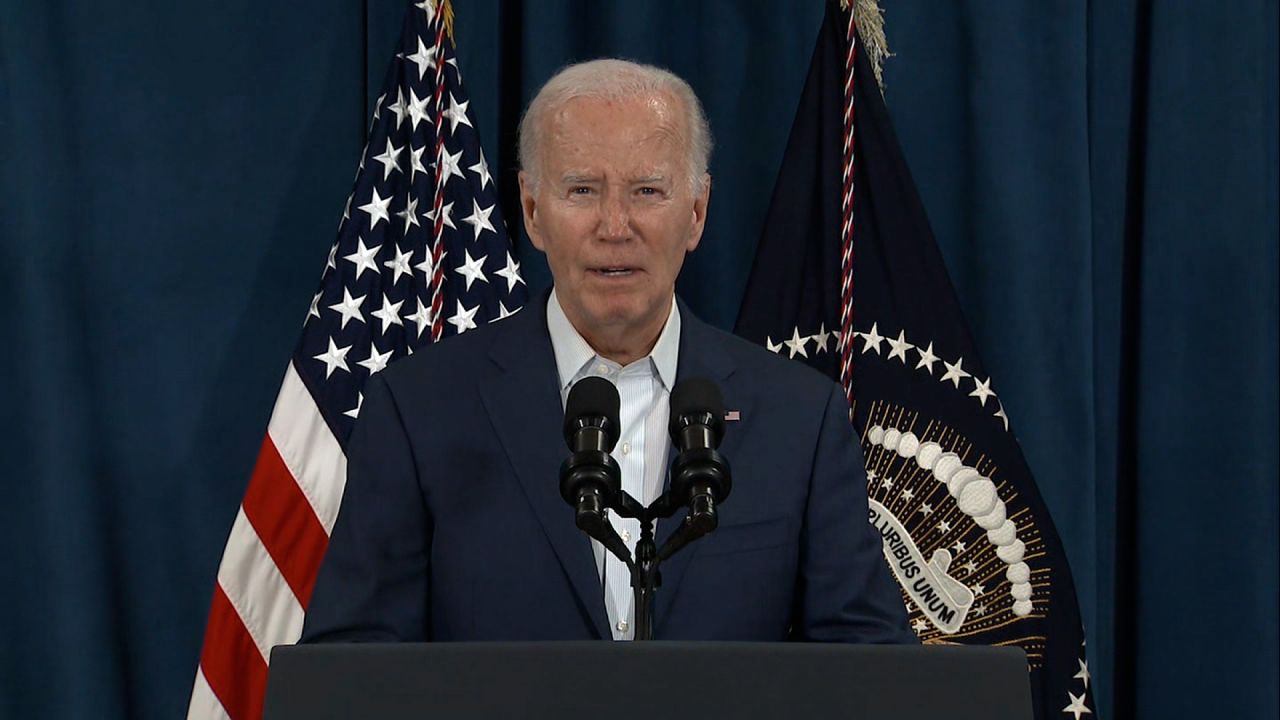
(522, 398)
(701, 355)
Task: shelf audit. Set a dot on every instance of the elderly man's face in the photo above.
(614, 211)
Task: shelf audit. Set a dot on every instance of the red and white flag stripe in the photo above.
(272, 556)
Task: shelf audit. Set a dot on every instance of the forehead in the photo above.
(626, 129)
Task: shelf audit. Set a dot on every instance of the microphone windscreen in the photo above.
(697, 396)
(593, 397)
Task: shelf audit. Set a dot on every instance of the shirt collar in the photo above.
(573, 353)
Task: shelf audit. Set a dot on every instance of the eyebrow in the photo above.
(581, 179)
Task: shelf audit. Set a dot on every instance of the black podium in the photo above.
(647, 681)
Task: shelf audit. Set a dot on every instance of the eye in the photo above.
(649, 190)
(579, 190)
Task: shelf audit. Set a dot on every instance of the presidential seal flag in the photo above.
(849, 280)
(422, 254)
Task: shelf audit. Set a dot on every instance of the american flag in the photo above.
(422, 253)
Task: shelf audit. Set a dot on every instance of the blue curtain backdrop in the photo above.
(1102, 178)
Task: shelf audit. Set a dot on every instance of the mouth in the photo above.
(614, 271)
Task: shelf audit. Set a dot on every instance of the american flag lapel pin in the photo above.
(732, 415)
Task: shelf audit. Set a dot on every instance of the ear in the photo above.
(699, 214)
(529, 210)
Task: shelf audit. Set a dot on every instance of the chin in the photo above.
(619, 310)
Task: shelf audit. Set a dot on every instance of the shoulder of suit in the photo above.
(457, 354)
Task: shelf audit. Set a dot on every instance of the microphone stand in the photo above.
(644, 568)
(644, 581)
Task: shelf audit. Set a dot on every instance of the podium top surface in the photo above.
(647, 681)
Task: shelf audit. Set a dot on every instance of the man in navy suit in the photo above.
(452, 526)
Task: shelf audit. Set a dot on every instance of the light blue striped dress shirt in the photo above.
(644, 388)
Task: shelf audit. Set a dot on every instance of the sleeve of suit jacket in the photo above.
(372, 585)
(845, 592)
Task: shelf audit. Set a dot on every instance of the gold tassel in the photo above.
(869, 18)
(448, 23)
(441, 6)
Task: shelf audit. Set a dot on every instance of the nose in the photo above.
(615, 218)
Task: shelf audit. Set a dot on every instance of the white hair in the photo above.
(612, 79)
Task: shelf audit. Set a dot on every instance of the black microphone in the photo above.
(700, 475)
(590, 479)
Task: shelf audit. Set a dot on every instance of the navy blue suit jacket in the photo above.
(452, 526)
